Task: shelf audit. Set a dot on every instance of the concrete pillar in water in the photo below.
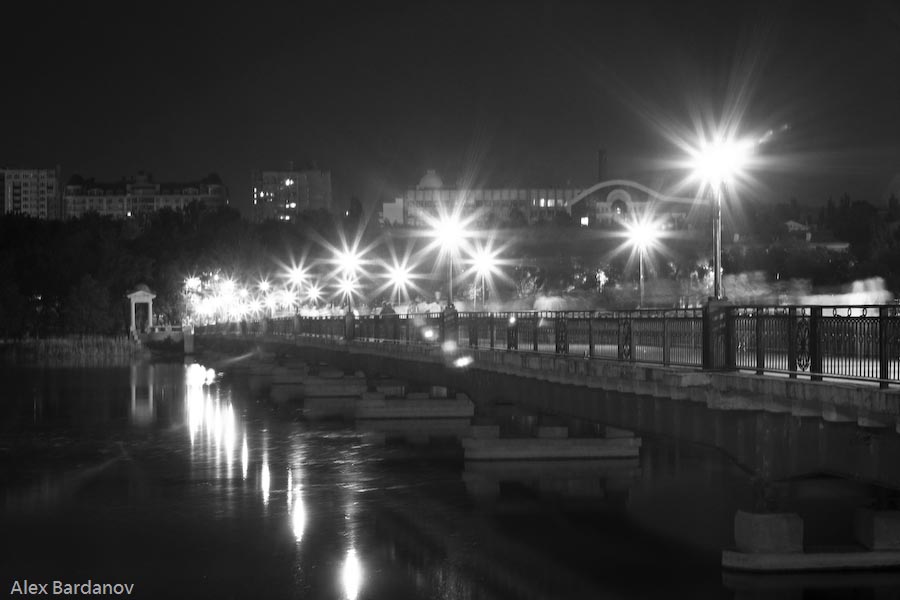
(877, 529)
(776, 533)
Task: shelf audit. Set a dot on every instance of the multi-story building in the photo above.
(283, 195)
(33, 192)
(139, 195)
(599, 205)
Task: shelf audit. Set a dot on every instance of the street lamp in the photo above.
(448, 234)
(296, 276)
(643, 234)
(349, 262)
(347, 286)
(399, 276)
(485, 262)
(716, 163)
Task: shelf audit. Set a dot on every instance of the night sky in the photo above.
(490, 94)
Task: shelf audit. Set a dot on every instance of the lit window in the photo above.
(551, 202)
(584, 221)
(543, 203)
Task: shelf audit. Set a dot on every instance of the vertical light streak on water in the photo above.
(351, 575)
(229, 436)
(296, 507)
(289, 489)
(265, 482)
(245, 458)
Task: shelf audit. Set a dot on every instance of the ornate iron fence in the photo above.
(848, 342)
(856, 342)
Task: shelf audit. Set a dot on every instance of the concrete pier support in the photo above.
(779, 533)
(877, 529)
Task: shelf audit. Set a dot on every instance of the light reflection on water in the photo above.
(296, 507)
(351, 575)
(264, 481)
(323, 517)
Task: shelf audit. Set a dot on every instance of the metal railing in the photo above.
(854, 343)
(848, 342)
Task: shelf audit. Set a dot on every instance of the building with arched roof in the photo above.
(603, 204)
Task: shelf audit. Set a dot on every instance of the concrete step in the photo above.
(549, 448)
(457, 427)
(327, 408)
(400, 408)
(810, 561)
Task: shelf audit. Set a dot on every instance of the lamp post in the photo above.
(448, 233)
(348, 262)
(485, 262)
(643, 234)
(717, 163)
(399, 276)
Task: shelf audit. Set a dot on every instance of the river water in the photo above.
(177, 480)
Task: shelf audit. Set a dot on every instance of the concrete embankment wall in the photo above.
(762, 423)
(864, 404)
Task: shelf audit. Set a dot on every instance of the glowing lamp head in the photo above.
(296, 275)
(720, 161)
(449, 232)
(643, 234)
(485, 262)
(347, 286)
(349, 262)
(399, 275)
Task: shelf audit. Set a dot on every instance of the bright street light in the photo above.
(448, 234)
(399, 276)
(716, 164)
(348, 286)
(349, 263)
(296, 276)
(314, 293)
(642, 234)
(484, 260)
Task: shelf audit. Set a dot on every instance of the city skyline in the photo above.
(505, 95)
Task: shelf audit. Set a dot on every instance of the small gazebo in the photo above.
(141, 295)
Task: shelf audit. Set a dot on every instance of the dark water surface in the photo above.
(153, 476)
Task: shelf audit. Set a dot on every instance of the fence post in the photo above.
(665, 340)
(760, 341)
(707, 353)
(590, 335)
(815, 349)
(792, 342)
(562, 334)
(450, 325)
(491, 329)
(349, 325)
(884, 348)
(730, 346)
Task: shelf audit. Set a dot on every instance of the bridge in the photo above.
(746, 380)
(859, 344)
(838, 364)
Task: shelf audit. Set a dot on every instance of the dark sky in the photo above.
(518, 94)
